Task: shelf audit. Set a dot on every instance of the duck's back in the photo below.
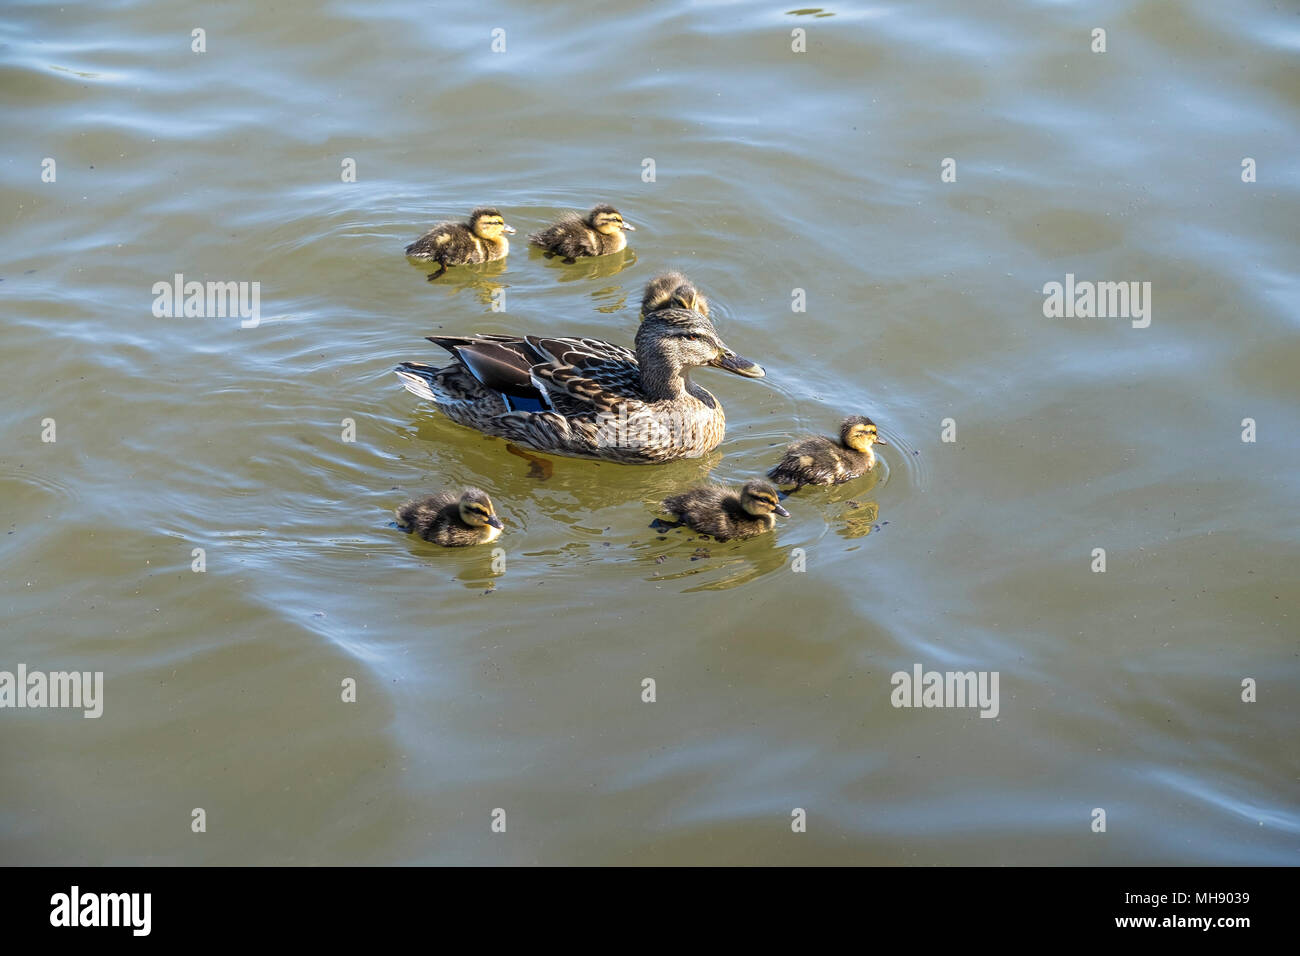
(715, 511)
(428, 516)
(451, 241)
(569, 236)
(817, 461)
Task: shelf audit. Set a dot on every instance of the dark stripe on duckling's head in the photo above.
(607, 219)
(487, 222)
(859, 433)
(476, 509)
(760, 498)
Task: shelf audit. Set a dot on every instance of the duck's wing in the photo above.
(502, 363)
(588, 369)
(596, 373)
(570, 375)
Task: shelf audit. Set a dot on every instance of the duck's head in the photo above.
(859, 433)
(759, 499)
(489, 224)
(685, 339)
(607, 221)
(673, 290)
(476, 509)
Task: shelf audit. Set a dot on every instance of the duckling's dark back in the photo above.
(436, 518)
(716, 511)
(818, 461)
(448, 242)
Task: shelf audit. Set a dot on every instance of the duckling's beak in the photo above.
(880, 441)
(508, 230)
(495, 522)
(781, 511)
(738, 364)
(628, 226)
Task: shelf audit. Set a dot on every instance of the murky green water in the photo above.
(774, 171)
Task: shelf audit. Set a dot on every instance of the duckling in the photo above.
(820, 461)
(725, 513)
(452, 521)
(672, 290)
(599, 234)
(481, 239)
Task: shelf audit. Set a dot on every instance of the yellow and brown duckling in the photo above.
(725, 513)
(672, 290)
(821, 461)
(451, 520)
(481, 239)
(599, 233)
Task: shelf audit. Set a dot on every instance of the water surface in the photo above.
(774, 171)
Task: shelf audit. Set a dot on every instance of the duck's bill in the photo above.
(628, 226)
(782, 512)
(740, 365)
(495, 522)
(881, 441)
(509, 230)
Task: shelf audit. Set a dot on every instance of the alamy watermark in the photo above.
(922, 688)
(1098, 300)
(208, 300)
(75, 908)
(645, 428)
(36, 689)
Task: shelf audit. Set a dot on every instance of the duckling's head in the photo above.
(673, 290)
(859, 433)
(759, 499)
(476, 509)
(489, 224)
(684, 339)
(607, 221)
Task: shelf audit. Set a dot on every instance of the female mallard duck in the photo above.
(672, 290)
(482, 239)
(725, 513)
(584, 397)
(820, 461)
(450, 520)
(572, 237)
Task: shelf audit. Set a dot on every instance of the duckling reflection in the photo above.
(713, 566)
(478, 282)
(613, 297)
(597, 267)
(858, 519)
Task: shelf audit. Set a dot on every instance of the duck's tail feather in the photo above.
(417, 378)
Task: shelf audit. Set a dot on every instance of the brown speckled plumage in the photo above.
(584, 397)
